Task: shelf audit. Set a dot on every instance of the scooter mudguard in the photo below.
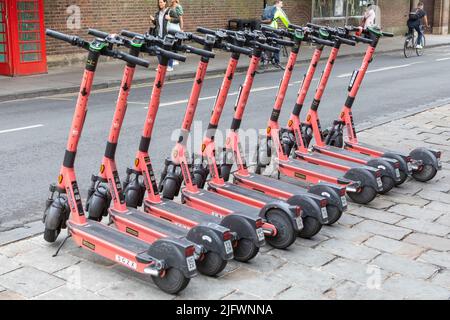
(211, 237)
(402, 159)
(428, 157)
(366, 178)
(309, 208)
(386, 167)
(173, 253)
(331, 194)
(244, 227)
(286, 208)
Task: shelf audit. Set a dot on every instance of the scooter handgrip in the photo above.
(321, 41)
(130, 34)
(314, 26)
(267, 28)
(131, 59)
(283, 42)
(206, 31)
(240, 50)
(388, 34)
(295, 26)
(345, 41)
(171, 55)
(98, 34)
(199, 52)
(361, 39)
(266, 47)
(73, 40)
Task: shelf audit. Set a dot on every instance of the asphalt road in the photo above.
(33, 132)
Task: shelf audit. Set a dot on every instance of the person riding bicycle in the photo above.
(415, 23)
(271, 15)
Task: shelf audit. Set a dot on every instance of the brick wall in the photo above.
(393, 15)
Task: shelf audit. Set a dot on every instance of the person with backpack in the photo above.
(272, 15)
(415, 23)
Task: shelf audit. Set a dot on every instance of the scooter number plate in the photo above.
(380, 183)
(191, 263)
(344, 201)
(228, 247)
(260, 234)
(409, 166)
(324, 212)
(397, 172)
(299, 222)
(439, 162)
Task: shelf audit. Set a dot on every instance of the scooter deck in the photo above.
(151, 222)
(375, 148)
(316, 170)
(252, 194)
(268, 182)
(346, 153)
(323, 158)
(227, 204)
(116, 238)
(183, 211)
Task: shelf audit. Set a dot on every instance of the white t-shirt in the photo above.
(161, 16)
(369, 18)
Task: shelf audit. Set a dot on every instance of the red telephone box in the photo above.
(22, 37)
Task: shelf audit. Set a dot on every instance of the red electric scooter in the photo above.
(211, 202)
(333, 157)
(314, 211)
(169, 261)
(141, 179)
(422, 163)
(213, 242)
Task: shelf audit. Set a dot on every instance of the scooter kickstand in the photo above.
(61, 245)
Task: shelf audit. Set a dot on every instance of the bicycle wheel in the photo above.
(408, 47)
(420, 51)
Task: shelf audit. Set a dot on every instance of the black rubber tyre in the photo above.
(51, 235)
(403, 177)
(173, 281)
(286, 235)
(334, 214)
(365, 196)
(132, 198)
(198, 180)
(427, 173)
(245, 250)
(170, 189)
(388, 184)
(211, 265)
(96, 208)
(311, 227)
(225, 173)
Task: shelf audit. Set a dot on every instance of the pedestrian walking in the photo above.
(176, 22)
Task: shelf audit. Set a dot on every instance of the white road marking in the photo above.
(21, 129)
(443, 59)
(346, 75)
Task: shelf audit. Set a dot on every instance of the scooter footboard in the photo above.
(310, 208)
(288, 208)
(365, 178)
(173, 253)
(212, 238)
(244, 227)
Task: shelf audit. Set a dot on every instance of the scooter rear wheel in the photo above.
(334, 214)
(172, 282)
(311, 227)
(364, 196)
(211, 264)
(245, 250)
(427, 173)
(96, 208)
(285, 231)
(388, 184)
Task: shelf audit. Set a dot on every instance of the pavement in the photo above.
(395, 248)
(66, 79)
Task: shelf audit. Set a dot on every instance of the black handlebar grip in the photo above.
(283, 42)
(295, 26)
(322, 41)
(206, 31)
(239, 50)
(170, 55)
(200, 52)
(361, 39)
(62, 36)
(130, 34)
(98, 34)
(131, 59)
(345, 41)
(198, 39)
(314, 26)
(266, 47)
(271, 29)
(388, 34)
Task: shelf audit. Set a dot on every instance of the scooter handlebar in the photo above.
(266, 28)
(264, 46)
(321, 41)
(345, 41)
(169, 54)
(130, 34)
(232, 48)
(206, 31)
(197, 51)
(360, 39)
(130, 59)
(98, 33)
(282, 42)
(73, 40)
(388, 34)
(314, 26)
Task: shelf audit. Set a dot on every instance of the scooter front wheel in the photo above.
(211, 264)
(245, 251)
(425, 174)
(311, 227)
(173, 281)
(97, 206)
(364, 196)
(51, 235)
(285, 231)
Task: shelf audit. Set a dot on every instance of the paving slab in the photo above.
(42, 259)
(398, 248)
(383, 229)
(415, 289)
(299, 293)
(134, 289)
(425, 227)
(378, 215)
(405, 266)
(429, 241)
(345, 233)
(441, 259)
(8, 265)
(353, 291)
(442, 279)
(305, 256)
(10, 295)
(349, 250)
(68, 292)
(420, 213)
